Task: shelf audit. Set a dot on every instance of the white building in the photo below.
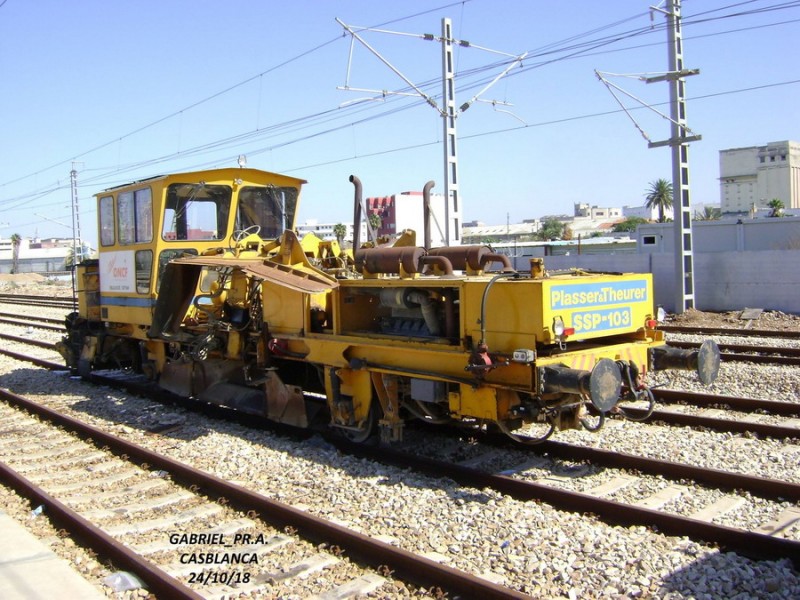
(751, 177)
(405, 211)
(651, 214)
(39, 255)
(325, 230)
(597, 213)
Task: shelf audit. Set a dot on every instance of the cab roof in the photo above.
(209, 175)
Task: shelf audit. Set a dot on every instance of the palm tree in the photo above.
(659, 195)
(777, 207)
(340, 230)
(552, 229)
(15, 241)
(710, 213)
(375, 220)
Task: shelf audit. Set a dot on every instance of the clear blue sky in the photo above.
(130, 89)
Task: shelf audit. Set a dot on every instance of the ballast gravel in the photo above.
(528, 546)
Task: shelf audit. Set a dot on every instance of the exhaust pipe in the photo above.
(426, 214)
(356, 213)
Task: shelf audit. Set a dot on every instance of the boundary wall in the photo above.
(723, 281)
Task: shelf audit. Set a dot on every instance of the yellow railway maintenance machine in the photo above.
(202, 285)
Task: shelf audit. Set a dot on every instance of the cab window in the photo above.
(135, 216)
(196, 212)
(144, 270)
(107, 237)
(271, 208)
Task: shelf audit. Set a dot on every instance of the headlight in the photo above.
(558, 326)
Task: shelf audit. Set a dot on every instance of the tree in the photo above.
(83, 253)
(375, 220)
(629, 224)
(552, 229)
(340, 230)
(777, 207)
(15, 242)
(709, 213)
(659, 195)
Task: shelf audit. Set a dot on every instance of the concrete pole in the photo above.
(681, 205)
(449, 131)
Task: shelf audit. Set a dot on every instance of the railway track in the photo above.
(629, 483)
(146, 514)
(739, 332)
(641, 508)
(779, 355)
(730, 490)
(39, 301)
(39, 322)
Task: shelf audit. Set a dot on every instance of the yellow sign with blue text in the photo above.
(594, 308)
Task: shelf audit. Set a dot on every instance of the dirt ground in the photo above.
(33, 283)
(748, 318)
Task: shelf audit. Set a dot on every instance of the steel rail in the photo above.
(37, 297)
(39, 362)
(33, 324)
(755, 358)
(49, 303)
(160, 583)
(671, 418)
(28, 341)
(363, 547)
(756, 485)
(36, 319)
(771, 489)
(775, 407)
(739, 353)
(733, 332)
(717, 424)
(747, 543)
(742, 348)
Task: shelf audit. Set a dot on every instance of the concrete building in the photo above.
(651, 214)
(751, 177)
(39, 255)
(597, 213)
(481, 233)
(405, 211)
(324, 231)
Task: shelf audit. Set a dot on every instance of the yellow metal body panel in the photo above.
(486, 403)
(520, 313)
(285, 310)
(89, 292)
(586, 358)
